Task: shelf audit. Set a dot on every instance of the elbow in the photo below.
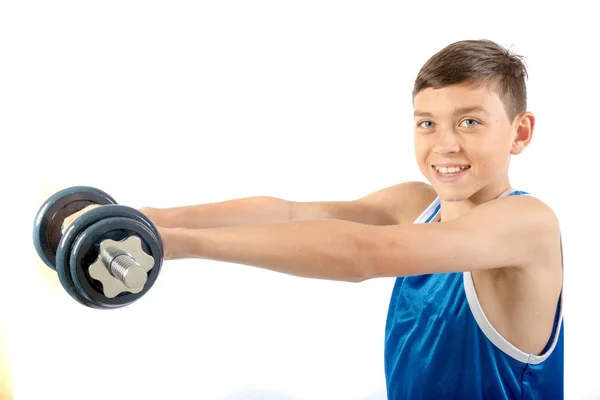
(282, 209)
(365, 256)
(358, 273)
(360, 279)
(377, 254)
(364, 271)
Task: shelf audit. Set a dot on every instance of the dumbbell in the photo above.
(107, 258)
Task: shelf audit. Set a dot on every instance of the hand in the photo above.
(71, 218)
(169, 239)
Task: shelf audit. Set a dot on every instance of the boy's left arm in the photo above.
(506, 232)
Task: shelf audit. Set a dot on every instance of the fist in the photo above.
(71, 218)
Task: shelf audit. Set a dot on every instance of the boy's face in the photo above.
(464, 139)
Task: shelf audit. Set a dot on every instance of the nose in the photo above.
(446, 142)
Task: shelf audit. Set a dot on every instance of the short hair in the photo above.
(478, 62)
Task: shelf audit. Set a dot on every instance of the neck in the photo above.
(453, 209)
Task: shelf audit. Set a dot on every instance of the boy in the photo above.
(476, 308)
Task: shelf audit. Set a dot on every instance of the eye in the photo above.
(470, 123)
(426, 124)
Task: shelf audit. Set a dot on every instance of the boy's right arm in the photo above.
(390, 206)
(393, 205)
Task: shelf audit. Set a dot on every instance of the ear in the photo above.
(522, 132)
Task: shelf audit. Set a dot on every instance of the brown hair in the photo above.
(478, 62)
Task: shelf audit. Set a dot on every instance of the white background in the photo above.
(176, 103)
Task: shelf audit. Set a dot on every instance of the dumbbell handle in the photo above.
(124, 267)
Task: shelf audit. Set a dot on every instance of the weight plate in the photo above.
(63, 252)
(85, 251)
(50, 216)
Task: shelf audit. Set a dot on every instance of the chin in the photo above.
(452, 198)
(453, 194)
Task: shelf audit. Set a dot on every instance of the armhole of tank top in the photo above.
(492, 334)
(430, 213)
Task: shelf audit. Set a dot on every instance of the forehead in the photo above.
(447, 100)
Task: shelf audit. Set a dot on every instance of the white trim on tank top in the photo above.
(432, 213)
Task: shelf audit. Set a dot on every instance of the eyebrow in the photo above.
(458, 111)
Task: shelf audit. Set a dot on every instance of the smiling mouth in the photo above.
(450, 173)
(450, 170)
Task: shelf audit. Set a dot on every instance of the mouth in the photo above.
(450, 173)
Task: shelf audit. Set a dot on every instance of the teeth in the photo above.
(451, 170)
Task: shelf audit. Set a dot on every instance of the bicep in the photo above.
(502, 233)
(507, 232)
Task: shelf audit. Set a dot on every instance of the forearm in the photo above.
(244, 211)
(323, 249)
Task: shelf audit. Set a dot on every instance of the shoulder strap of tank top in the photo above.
(432, 212)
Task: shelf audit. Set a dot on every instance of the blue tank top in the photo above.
(440, 345)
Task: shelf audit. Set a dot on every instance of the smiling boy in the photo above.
(476, 308)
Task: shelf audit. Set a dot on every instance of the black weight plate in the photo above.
(50, 216)
(63, 252)
(85, 251)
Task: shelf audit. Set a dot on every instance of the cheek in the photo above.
(493, 160)
(421, 157)
(421, 149)
(492, 152)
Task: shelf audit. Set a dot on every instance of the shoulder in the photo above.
(522, 223)
(404, 201)
(519, 211)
